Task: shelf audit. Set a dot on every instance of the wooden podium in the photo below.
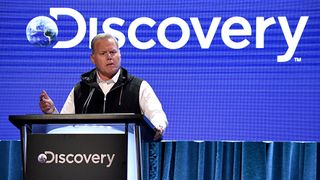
(85, 155)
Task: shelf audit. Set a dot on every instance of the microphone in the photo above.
(87, 102)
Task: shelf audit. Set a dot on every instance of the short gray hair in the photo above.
(102, 36)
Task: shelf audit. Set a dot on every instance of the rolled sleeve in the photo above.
(68, 107)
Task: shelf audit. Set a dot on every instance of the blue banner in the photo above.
(223, 70)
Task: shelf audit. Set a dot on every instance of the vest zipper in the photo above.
(120, 96)
(104, 103)
(112, 89)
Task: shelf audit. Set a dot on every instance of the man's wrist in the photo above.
(55, 111)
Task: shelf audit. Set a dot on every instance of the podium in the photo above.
(96, 154)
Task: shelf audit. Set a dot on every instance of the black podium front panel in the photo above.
(76, 156)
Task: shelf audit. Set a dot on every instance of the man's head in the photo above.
(105, 55)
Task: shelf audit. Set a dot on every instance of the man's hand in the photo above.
(46, 104)
(159, 133)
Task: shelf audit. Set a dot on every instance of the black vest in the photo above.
(122, 98)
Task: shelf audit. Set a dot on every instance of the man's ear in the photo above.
(92, 58)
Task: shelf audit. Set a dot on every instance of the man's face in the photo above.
(106, 57)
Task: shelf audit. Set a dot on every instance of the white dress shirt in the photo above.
(149, 103)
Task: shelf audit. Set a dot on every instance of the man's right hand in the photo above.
(46, 104)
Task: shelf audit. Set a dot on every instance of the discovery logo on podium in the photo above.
(49, 157)
(76, 156)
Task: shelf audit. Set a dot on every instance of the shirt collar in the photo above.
(114, 79)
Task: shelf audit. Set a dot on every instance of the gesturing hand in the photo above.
(46, 104)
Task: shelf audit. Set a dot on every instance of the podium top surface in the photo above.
(20, 120)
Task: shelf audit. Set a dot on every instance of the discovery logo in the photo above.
(49, 157)
(43, 31)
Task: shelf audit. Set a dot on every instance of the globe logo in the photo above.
(41, 31)
(42, 158)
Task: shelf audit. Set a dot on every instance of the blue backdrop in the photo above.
(215, 83)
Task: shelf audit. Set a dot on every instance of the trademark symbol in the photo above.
(297, 59)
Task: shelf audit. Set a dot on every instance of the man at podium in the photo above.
(109, 88)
